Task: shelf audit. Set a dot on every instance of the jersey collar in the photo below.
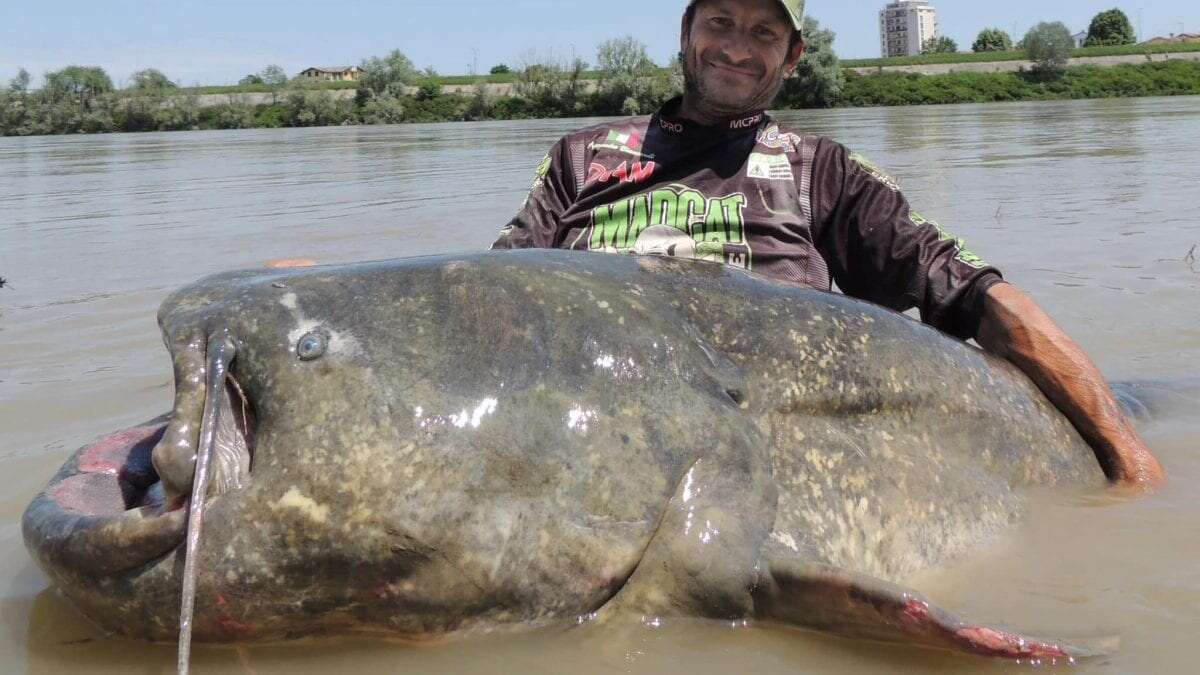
(669, 122)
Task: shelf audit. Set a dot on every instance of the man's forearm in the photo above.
(1016, 328)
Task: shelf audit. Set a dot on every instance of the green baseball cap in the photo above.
(794, 9)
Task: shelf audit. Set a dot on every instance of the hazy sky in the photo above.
(219, 41)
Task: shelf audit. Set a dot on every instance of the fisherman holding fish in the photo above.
(711, 176)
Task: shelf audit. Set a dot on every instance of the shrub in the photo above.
(940, 45)
(1049, 46)
(992, 40)
(1110, 28)
(818, 80)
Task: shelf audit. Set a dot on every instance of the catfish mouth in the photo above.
(111, 510)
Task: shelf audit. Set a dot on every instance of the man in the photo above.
(711, 177)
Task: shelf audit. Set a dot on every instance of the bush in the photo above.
(940, 45)
(306, 108)
(992, 40)
(1049, 46)
(1110, 28)
(388, 74)
(382, 109)
(151, 79)
(630, 83)
(500, 69)
(818, 80)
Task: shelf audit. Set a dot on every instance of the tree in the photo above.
(552, 87)
(151, 79)
(388, 74)
(252, 79)
(1110, 28)
(1049, 46)
(623, 56)
(939, 45)
(81, 84)
(273, 76)
(992, 40)
(818, 80)
(20, 83)
(630, 82)
(500, 69)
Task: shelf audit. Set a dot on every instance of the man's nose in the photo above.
(736, 48)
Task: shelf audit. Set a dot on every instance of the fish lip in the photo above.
(98, 516)
(176, 455)
(108, 512)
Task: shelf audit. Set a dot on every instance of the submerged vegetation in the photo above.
(624, 81)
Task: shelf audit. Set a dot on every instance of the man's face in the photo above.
(735, 55)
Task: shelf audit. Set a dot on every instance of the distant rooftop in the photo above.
(1174, 39)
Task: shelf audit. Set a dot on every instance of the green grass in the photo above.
(1017, 55)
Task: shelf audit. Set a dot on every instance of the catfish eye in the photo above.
(311, 346)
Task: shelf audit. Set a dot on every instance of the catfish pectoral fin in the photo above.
(836, 601)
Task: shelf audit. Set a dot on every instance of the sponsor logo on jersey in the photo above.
(539, 174)
(629, 144)
(772, 138)
(673, 127)
(539, 179)
(769, 167)
(875, 172)
(746, 122)
(964, 255)
(626, 172)
(674, 221)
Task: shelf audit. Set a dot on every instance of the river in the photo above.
(1091, 206)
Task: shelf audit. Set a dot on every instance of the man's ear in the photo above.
(685, 28)
(793, 58)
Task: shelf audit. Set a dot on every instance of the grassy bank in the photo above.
(1168, 78)
(1018, 55)
(266, 88)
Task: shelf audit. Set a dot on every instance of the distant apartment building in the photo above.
(905, 27)
(332, 73)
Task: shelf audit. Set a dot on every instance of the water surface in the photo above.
(1091, 206)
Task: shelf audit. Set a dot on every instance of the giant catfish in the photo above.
(512, 440)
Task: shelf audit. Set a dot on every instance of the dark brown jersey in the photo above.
(754, 195)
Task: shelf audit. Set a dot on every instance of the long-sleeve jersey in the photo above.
(751, 194)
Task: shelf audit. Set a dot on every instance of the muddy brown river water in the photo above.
(1091, 206)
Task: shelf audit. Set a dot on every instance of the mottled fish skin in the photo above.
(511, 440)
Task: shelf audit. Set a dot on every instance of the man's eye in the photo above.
(721, 22)
(766, 34)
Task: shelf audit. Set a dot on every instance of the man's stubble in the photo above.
(708, 102)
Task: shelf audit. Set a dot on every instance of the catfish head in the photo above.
(338, 409)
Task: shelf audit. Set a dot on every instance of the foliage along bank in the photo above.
(1165, 78)
(82, 100)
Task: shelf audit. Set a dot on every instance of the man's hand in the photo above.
(1014, 327)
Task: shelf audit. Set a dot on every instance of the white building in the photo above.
(905, 27)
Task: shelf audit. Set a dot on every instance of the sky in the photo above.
(220, 41)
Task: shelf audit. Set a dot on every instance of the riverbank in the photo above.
(27, 114)
(1170, 78)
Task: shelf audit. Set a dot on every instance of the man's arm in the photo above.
(1015, 328)
(539, 222)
